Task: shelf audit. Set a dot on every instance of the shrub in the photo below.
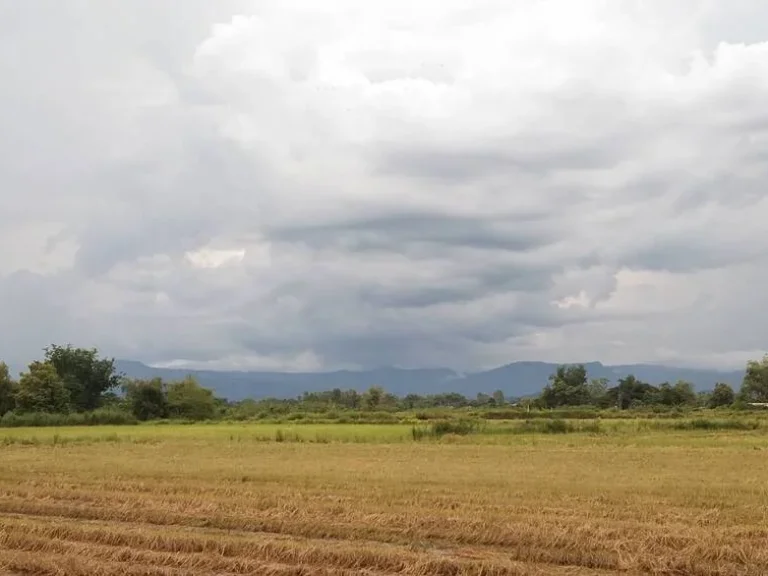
(708, 424)
(35, 419)
(441, 428)
(459, 427)
(103, 416)
(557, 426)
(187, 399)
(147, 399)
(281, 436)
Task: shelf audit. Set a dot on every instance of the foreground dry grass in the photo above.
(685, 504)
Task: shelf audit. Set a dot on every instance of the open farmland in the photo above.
(344, 499)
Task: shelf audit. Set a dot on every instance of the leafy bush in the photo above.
(147, 399)
(108, 416)
(281, 436)
(187, 399)
(440, 428)
(103, 416)
(551, 426)
(708, 424)
(16, 420)
(557, 426)
(435, 414)
(459, 427)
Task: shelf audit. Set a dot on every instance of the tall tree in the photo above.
(685, 395)
(7, 390)
(722, 395)
(373, 397)
(41, 389)
(85, 375)
(665, 395)
(350, 399)
(754, 388)
(187, 399)
(567, 387)
(631, 392)
(147, 398)
(597, 389)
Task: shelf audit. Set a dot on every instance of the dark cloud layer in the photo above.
(516, 234)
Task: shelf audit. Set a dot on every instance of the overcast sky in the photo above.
(304, 185)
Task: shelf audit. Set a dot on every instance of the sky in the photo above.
(299, 185)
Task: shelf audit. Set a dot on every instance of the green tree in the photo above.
(147, 398)
(665, 395)
(350, 399)
(447, 399)
(596, 389)
(754, 388)
(411, 401)
(498, 398)
(528, 403)
(41, 389)
(86, 376)
(567, 387)
(631, 392)
(7, 390)
(722, 395)
(373, 397)
(112, 400)
(187, 399)
(679, 394)
(389, 400)
(703, 397)
(684, 393)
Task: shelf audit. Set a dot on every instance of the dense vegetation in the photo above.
(76, 386)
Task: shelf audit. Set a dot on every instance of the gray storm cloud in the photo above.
(287, 185)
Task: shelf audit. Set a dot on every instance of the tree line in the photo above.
(77, 380)
(569, 386)
(71, 380)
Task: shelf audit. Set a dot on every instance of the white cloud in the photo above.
(302, 184)
(304, 361)
(212, 258)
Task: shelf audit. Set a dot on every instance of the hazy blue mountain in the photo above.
(516, 379)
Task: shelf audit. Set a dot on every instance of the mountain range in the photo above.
(515, 380)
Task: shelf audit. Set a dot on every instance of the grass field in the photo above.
(231, 499)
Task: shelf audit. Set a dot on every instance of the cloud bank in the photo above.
(297, 185)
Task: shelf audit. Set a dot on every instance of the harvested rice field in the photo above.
(226, 499)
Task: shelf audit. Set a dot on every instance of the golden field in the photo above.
(228, 499)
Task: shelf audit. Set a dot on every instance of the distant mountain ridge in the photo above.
(515, 379)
